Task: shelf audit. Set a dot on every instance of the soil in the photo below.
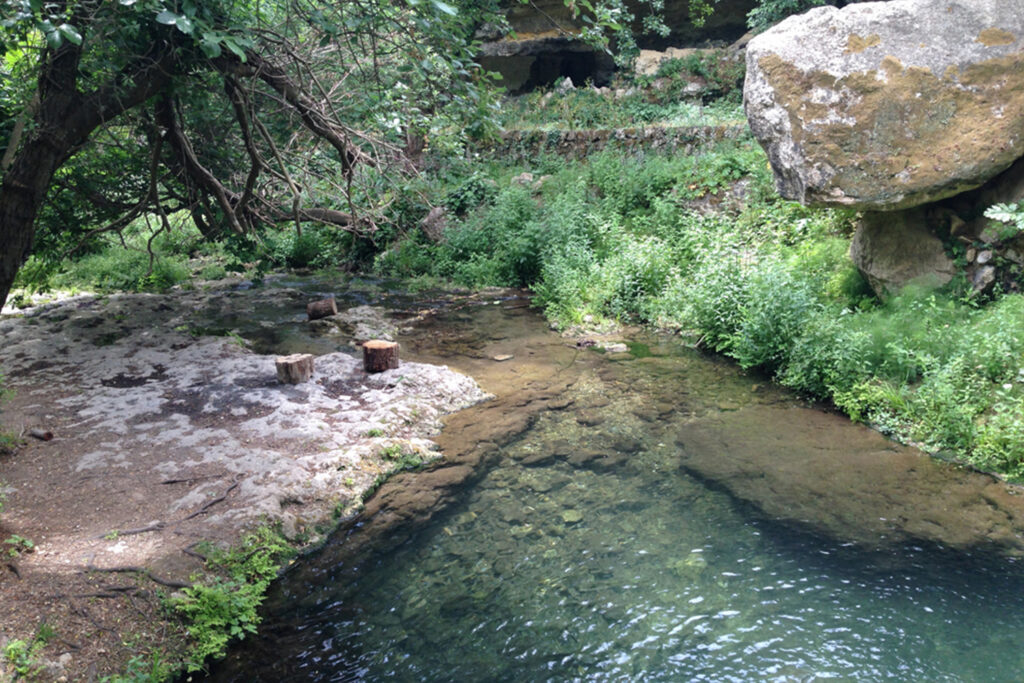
(164, 442)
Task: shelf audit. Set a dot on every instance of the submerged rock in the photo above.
(865, 490)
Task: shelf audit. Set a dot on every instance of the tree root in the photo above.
(170, 583)
(159, 526)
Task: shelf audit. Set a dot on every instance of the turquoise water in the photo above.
(589, 551)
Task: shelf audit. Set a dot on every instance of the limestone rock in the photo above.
(895, 248)
(435, 223)
(889, 105)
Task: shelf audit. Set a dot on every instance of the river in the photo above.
(645, 515)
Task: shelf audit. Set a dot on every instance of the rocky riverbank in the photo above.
(164, 439)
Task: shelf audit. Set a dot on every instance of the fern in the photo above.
(1011, 214)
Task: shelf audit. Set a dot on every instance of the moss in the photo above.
(958, 134)
(856, 43)
(992, 37)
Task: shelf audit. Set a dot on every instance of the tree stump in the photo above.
(294, 369)
(380, 355)
(321, 309)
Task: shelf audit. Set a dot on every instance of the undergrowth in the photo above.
(222, 607)
(704, 246)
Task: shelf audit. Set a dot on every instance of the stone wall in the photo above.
(577, 144)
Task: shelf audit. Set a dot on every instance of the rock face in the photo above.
(895, 248)
(888, 105)
(544, 47)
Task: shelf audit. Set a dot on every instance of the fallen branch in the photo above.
(192, 553)
(41, 434)
(155, 526)
(159, 526)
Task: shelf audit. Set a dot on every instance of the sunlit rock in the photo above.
(889, 105)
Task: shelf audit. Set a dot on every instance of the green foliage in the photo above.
(403, 458)
(770, 12)
(778, 304)
(142, 669)
(24, 656)
(17, 545)
(225, 607)
(120, 269)
(217, 613)
(1011, 216)
(470, 193)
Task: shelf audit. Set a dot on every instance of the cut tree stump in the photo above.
(294, 369)
(380, 355)
(321, 309)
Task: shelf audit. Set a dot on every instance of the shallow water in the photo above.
(606, 540)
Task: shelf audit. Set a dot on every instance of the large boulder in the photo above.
(889, 105)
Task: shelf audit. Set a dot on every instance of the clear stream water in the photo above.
(589, 550)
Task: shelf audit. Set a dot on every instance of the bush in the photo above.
(777, 307)
(711, 299)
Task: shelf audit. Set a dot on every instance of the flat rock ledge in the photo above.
(164, 439)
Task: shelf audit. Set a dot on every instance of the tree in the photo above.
(241, 112)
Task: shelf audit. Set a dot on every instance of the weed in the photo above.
(18, 545)
(374, 433)
(24, 656)
(141, 669)
(225, 607)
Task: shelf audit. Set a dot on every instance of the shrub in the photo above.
(225, 608)
(711, 299)
(777, 307)
(770, 12)
(1000, 441)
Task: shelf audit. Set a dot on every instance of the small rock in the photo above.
(435, 223)
(525, 178)
(502, 357)
(971, 254)
(984, 257)
(983, 277)
(571, 516)
(615, 347)
(565, 86)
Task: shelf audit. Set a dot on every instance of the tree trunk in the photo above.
(63, 121)
(380, 355)
(294, 369)
(321, 309)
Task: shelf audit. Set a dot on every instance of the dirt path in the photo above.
(164, 440)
